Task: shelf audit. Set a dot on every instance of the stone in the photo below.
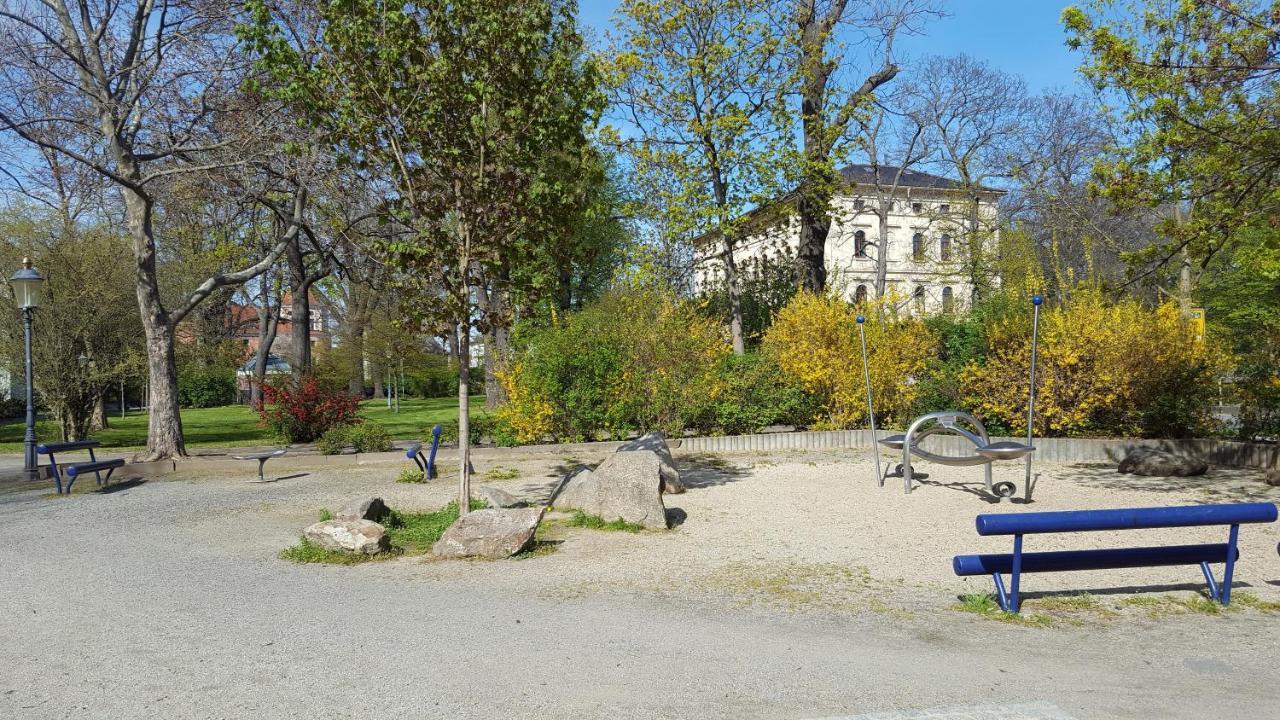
(657, 443)
(626, 486)
(363, 537)
(371, 509)
(497, 498)
(492, 534)
(1272, 477)
(1154, 462)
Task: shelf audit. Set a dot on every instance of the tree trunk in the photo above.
(300, 320)
(98, 421)
(268, 324)
(977, 276)
(811, 254)
(882, 249)
(735, 297)
(164, 421)
(496, 344)
(464, 418)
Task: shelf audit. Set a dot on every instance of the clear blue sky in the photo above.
(1018, 36)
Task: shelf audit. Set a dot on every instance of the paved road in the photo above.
(166, 601)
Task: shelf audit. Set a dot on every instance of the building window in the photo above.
(858, 204)
(944, 208)
(917, 247)
(860, 244)
(892, 204)
(860, 295)
(944, 248)
(915, 208)
(918, 297)
(948, 300)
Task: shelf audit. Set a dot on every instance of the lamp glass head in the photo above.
(26, 285)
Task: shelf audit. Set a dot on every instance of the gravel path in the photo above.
(795, 588)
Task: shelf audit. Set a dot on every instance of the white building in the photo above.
(927, 227)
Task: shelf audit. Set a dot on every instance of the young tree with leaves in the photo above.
(475, 115)
(696, 84)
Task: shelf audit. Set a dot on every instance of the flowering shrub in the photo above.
(815, 342)
(1104, 367)
(303, 413)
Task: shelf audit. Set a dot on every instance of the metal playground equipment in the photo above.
(955, 423)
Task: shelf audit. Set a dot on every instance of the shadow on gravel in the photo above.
(117, 487)
(703, 470)
(676, 517)
(1220, 484)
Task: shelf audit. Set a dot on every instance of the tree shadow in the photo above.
(1222, 484)
(703, 470)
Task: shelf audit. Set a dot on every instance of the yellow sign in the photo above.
(1195, 316)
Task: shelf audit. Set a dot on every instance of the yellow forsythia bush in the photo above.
(1104, 366)
(814, 340)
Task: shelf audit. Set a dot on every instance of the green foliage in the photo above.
(306, 552)
(411, 475)
(757, 394)
(638, 359)
(595, 522)
(1200, 112)
(767, 286)
(363, 437)
(325, 514)
(206, 387)
(481, 427)
(416, 532)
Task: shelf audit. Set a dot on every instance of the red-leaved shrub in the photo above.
(303, 412)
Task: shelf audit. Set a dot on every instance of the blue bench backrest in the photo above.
(1125, 518)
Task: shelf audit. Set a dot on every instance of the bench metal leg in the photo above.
(1215, 593)
(1231, 565)
(1015, 577)
(262, 462)
(1002, 596)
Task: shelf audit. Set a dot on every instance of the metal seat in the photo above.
(894, 441)
(1005, 450)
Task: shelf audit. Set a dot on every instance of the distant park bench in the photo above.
(427, 463)
(262, 459)
(1019, 524)
(75, 470)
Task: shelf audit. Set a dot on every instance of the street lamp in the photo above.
(26, 293)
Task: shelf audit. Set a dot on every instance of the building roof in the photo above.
(866, 175)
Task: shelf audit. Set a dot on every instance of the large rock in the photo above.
(656, 442)
(496, 498)
(371, 509)
(1161, 463)
(363, 537)
(624, 487)
(492, 534)
(1272, 477)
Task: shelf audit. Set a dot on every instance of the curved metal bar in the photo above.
(915, 435)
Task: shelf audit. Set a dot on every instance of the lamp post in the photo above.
(26, 293)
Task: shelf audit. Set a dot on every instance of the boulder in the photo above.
(493, 534)
(497, 498)
(656, 442)
(1161, 463)
(371, 509)
(363, 537)
(625, 486)
(1272, 477)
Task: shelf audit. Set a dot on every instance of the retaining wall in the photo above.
(1062, 450)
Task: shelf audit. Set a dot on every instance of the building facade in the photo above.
(925, 239)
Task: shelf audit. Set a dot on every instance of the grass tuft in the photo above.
(411, 475)
(325, 514)
(410, 533)
(501, 473)
(595, 522)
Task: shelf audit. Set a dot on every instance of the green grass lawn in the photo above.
(236, 425)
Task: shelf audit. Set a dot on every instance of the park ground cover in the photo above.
(238, 425)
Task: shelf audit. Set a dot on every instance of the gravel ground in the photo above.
(794, 588)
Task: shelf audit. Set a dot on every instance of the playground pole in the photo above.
(871, 413)
(1036, 300)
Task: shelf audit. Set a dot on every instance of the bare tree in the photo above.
(976, 115)
(136, 92)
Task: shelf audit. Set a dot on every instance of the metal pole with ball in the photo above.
(871, 413)
(1037, 301)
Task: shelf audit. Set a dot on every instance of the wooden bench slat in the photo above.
(1105, 559)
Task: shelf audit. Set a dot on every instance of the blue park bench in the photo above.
(75, 470)
(427, 463)
(1019, 524)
